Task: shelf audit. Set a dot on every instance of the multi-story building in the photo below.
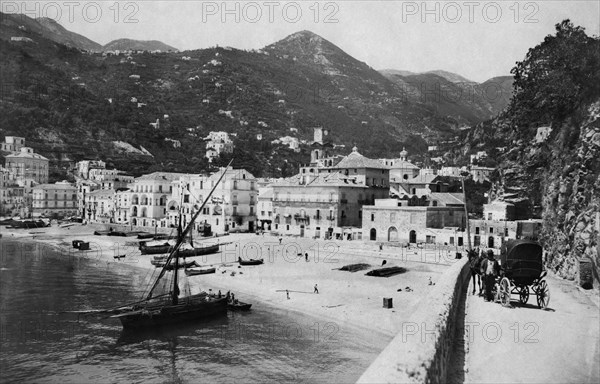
(218, 143)
(84, 188)
(27, 165)
(264, 211)
(59, 199)
(12, 199)
(413, 220)
(147, 199)
(84, 167)
(232, 206)
(325, 199)
(12, 144)
(323, 206)
(101, 206)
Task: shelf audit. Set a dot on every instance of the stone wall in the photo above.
(420, 353)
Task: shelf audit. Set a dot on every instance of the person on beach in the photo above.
(287, 294)
(316, 289)
(306, 256)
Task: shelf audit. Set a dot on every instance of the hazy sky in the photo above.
(477, 39)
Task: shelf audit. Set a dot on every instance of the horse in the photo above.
(475, 264)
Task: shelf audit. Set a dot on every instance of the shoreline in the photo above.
(352, 301)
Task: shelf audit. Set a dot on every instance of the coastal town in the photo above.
(290, 192)
(339, 197)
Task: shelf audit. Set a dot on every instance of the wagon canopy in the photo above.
(522, 260)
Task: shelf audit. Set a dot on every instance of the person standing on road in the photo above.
(490, 269)
(287, 294)
(316, 289)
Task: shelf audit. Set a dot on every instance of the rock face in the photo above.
(571, 201)
(561, 179)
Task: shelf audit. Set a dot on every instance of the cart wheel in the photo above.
(543, 295)
(504, 292)
(524, 295)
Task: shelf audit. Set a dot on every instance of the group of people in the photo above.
(484, 270)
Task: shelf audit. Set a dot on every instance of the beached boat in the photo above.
(185, 250)
(250, 262)
(28, 224)
(172, 265)
(193, 271)
(170, 308)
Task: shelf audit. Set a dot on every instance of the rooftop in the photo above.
(356, 160)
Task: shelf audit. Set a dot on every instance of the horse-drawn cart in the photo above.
(522, 272)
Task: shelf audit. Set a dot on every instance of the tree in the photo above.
(556, 77)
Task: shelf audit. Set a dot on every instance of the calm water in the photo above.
(41, 344)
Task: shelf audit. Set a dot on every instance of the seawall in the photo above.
(420, 353)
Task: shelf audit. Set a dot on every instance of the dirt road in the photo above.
(524, 344)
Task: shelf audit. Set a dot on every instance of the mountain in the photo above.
(138, 45)
(19, 25)
(451, 77)
(391, 72)
(468, 102)
(71, 105)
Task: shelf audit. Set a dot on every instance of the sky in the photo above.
(476, 39)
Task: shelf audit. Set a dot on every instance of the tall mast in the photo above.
(185, 232)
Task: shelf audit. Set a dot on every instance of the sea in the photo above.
(42, 341)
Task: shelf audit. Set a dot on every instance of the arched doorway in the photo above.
(491, 242)
(412, 237)
(392, 234)
(373, 234)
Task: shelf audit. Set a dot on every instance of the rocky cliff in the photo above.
(548, 146)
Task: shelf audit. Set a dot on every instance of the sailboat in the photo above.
(170, 308)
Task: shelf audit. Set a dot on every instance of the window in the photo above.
(262, 213)
(287, 227)
(372, 217)
(506, 232)
(393, 216)
(489, 216)
(477, 230)
(360, 215)
(234, 210)
(343, 214)
(491, 229)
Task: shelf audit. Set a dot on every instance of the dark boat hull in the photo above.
(171, 266)
(239, 306)
(250, 262)
(158, 249)
(174, 314)
(201, 272)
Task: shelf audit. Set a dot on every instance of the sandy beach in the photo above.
(350, 300)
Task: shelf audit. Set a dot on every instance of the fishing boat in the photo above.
(170, 308)
(250, 262)
(193, 271)
(238, 305)
(186, 249)
(171, 264)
